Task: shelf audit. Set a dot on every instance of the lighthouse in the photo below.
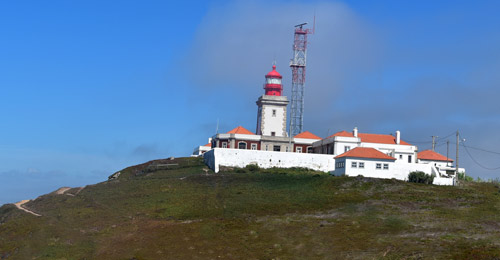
(271, 113)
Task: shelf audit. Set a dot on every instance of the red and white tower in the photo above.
(298, 65)
(273, 84)
(271, 114)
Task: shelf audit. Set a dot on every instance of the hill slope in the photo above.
(176, 209)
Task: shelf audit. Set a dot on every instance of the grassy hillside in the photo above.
(176, 209)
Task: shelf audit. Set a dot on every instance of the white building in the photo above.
(442, 163)
(343, 153)
(344, 141)
(370, 162)
(200, 150)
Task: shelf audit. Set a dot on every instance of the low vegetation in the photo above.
(420, 177)
(178, 209)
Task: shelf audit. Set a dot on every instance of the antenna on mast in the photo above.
(298, 66)
(314, 22)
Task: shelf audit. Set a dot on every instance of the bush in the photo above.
(252, 167)
(463, 177)
(420, 177)
(240, 170)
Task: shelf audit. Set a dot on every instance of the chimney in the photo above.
(355, 131)
(398, 137)
(210, 139)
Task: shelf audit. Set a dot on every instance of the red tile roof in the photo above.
(432, 156)
(364, 152)
(371, 138)
(240, 130)
(209, 145)
(307, 135)
(342, 133)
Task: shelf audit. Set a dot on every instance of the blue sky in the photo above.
(90, 87)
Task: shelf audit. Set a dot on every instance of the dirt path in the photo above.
(20, 204)
(62, 190)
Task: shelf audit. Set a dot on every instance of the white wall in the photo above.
(267, 159)
(304, 141)
(436, 163)
(201, 149)
(272, 123)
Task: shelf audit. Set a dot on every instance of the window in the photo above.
(242, 145)
(254, 146)
(409, 158)
(354, 165)
(224, 144)
(309, 149)
(273, 133)
(267, 147)
(286, 149)
(347, 148)
(298, 149)
(274, 112)
(276, 148)
(400, 156)
(386, 166)
(340, 165)
(273, 81)
(361, 165)
(378, 166)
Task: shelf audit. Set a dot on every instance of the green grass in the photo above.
(183, 211)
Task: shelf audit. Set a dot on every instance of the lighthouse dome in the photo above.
(273, 85)
(273, 73)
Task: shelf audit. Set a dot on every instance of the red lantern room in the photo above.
(273, 84)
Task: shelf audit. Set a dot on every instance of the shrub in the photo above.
(420, 177)
(463, 177)
(252, 167)
(240, 170)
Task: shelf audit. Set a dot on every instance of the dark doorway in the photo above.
(277, 148)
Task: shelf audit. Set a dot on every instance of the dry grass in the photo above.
(184, 213)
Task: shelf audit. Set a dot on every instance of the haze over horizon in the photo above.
(92, 87)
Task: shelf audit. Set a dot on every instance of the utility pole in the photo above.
(433, 142)
(456, 162)
(447, 151)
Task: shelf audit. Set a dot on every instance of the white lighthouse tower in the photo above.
(271, 114)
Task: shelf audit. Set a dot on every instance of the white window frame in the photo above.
(361, 165)
(224, 144)
(346, 148)
(253, 146)
(386, 166)
(354, 164)
(378, 166)
(274, 112)
(298, 149)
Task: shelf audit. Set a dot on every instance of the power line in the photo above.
(480, 165)
(452, 133)
(430, 142)
(418, 142)
(480, 149)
